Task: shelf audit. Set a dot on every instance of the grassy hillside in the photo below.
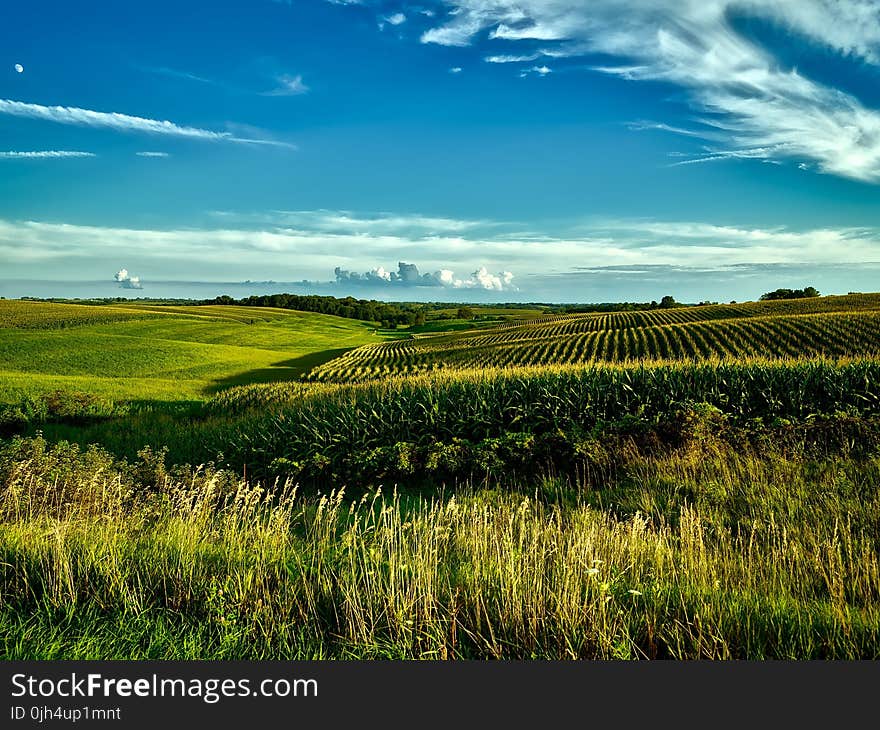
(139, 352)
(830, 326)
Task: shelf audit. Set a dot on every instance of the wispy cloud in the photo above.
(539, 70)
(289, 86)
(119, 122)
(756, 153)
(511, 58)
(152, 154)
(343, 222)
(643, 125)
(44, 155)
(752, 102)
(177, 74)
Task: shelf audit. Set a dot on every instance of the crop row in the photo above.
(786, 336)
(48, 315)
(567, 324)
(334, 431)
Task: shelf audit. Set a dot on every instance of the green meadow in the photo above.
(137, 352)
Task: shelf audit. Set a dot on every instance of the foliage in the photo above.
(368, 310)
(805, 293)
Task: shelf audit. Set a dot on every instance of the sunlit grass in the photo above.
(729, 557)
(136, 352)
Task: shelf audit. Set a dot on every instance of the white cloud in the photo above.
(414, 227)
(118, 122)
(455, 70)
(311, 244)
(126, 281)
(540, 70)
(511, 59)
(175, 73)
(44, 154)
(289, 86)
(482, 279)
(756, 153)
(152, 154)
(408, 275)
(396, 19)
(752, 102)
(702, 134)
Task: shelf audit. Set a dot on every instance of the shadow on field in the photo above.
(281, 371)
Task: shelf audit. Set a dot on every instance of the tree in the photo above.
(465, 313)
(667, 302)
(778, 294)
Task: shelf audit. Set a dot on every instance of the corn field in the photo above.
(506, 416)
(786, 330)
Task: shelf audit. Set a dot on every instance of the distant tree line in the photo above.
(666, 302)
(369, 310)
(805, 293)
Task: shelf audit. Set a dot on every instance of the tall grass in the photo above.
(692, 555)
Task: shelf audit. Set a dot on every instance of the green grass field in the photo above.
(243, 483)
(136, 352)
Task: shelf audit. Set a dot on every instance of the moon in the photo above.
(19, 68)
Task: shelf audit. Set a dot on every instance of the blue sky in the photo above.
(535, 150)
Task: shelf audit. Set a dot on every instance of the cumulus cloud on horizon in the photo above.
(127, 281)
(409, 275)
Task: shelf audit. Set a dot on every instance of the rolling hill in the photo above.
(162, 353)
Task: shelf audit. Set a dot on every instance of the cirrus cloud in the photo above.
(744, 94)
(44, 155)
(120, 122)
